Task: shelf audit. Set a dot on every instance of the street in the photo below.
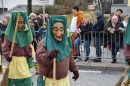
(92, 77)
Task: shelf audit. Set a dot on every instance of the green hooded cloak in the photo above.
(50, 43)
(127, 33)
(23, 37)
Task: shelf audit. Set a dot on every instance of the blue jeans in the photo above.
(97, 42)
(115, 48)
(87, 45)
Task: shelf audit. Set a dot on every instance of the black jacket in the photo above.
(98, 26)
(113, 37)
(84, 29)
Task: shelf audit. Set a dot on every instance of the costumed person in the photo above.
(57, 45)
(127, 51)
(34, 40)
(75, 23)
(19, 74)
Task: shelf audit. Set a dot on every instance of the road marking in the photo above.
(89, 71)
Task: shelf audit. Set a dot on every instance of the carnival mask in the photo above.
(58, 31)
(20, 23)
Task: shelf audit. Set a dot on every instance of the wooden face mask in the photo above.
(58, 31)
(20, 23)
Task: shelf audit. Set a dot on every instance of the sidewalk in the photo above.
(105, 64)
(106, 61)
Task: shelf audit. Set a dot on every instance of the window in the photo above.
(120, 1)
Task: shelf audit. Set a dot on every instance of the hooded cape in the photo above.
(127, 33)
(50, 43)
(23, 37)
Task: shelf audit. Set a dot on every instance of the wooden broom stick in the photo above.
(1, 70)
(122, 77)
(5, 77)
(54, 72)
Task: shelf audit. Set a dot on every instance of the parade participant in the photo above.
(55, 45)
(127, 51)
(19, 74)
(75, 23)
(34, 40)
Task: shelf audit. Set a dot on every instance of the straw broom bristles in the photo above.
(1, 70)
(5, 77)
(122, 77)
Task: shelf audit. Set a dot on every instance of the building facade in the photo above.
(8, 6)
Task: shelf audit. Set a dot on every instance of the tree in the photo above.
(100, 5)
(29, 7)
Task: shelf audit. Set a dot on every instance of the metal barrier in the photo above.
(105, 40)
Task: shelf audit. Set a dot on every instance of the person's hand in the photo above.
(76, 75)
(9, 59)
(128, 60)
(109, 29)
(112, 30)
(120, 28)
(78, 30)
(53, 54)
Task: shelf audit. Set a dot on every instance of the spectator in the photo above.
(98, 26)
(83, 28)
(0, 24)
(46, 18)
(110, 16)
(113, 29)
(7, 16)
(118, 13)
(39, 19)
(106, 35)
(42, 31)
(75, 23)
(32, 16)
(124, 23)
(3, 28)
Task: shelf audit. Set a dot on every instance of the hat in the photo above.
(44, 23)
(98, 13)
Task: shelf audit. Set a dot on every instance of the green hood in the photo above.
(50, 43)
(23, 37)
(127, 33)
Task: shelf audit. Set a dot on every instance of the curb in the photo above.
(85, 67)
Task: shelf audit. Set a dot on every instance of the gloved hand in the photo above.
(76, 75)
(9, 59)
(53, 54)
(128, 60)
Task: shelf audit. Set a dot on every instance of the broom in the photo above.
(54, 72)
(5, 77)
(122, 77)
(1, 71)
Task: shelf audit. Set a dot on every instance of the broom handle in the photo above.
(126, 70)
(54, 72)
(12, 47)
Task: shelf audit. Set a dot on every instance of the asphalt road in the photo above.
(88, 77)
(92, 77)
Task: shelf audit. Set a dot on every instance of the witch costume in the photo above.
(64, 60)
(19, 74)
